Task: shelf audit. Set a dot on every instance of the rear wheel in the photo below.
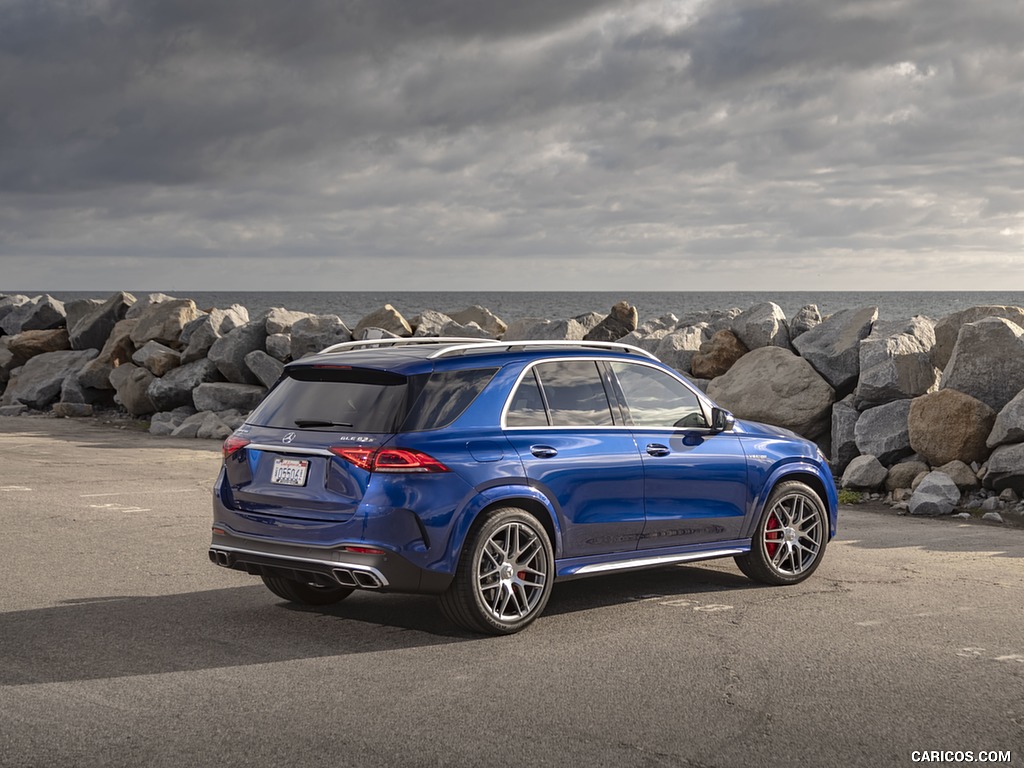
(790, 537)
(505, 575)
(305, 593)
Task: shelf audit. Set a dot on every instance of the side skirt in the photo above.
(576, 567)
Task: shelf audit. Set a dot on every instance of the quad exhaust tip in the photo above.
(357, 578)
(220, 558)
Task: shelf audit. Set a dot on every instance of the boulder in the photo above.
(199, 335)
(118, 349)
(646, 341)
(493, 325)
(882, 432)
(430, 323)
(844, 438)
(961, 474)
(228, 352)
(175, 389)
(163, 322)
(213, 427)
(535, 328)
(469, 331)
(157, 358)
(7, 363)
(718, 355)
(166, 422)
(1006, 469)
(679, 347)
(281, 320)
(221, 396)
(902, 475)
(864, 473)
(132, 384)
(41, 313)
(664, 323)
(147, 301)
(13, 410)
(92, 330)
(773, 385)
(76, 309)
(763, 325)
(279, 346)
(72, 410)
(716, 319)
(27, 344)
(807, 317)
(621, 320)
(936, 494)
(8, 304)
(388, 318)
(264, 367)
(897, 364)
(987, 362)
(190, 426)
(833, 346)
(39, 381)
(948, 425)
(1009, 424)
(312, 334)
(373, 334)
(589, 320)
(948, 328)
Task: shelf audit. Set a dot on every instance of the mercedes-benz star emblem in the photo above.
(288, 438)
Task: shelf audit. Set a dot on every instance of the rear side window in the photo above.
(575, 393)
(342, 399)
(446, 395)
(527, 407)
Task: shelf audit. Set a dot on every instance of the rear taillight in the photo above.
(232, 444)
(390, 460)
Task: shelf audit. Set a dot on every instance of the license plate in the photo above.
(289, 472)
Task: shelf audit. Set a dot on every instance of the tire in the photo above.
(505, 574)
(789, 541)
(305, 594)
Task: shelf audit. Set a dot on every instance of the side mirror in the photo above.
(721, 420)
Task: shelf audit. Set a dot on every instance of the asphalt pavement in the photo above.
(121, 645)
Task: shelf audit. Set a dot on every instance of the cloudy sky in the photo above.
(467, 144)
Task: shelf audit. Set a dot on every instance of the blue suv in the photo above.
(484, 472)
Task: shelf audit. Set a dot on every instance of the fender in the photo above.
(796, 466)
(484, 498)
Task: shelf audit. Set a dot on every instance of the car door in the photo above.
(579, 455)
(695, 480)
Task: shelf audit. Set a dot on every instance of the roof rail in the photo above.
(608, 345)
(462, 341)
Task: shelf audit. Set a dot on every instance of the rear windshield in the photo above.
(366, 400)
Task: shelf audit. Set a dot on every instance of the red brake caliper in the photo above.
(771, 537)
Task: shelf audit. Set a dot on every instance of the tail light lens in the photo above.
(233, 444)
(390, 460)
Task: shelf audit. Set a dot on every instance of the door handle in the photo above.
(543, 451)
(657, 449)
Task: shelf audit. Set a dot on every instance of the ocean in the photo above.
(351, 306)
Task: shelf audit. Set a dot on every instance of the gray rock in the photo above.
(76, 309)
(961, 474)
(430, 323)
(213, 428)
(190, 426)
(679, 347)
(233, 418)
(175, 389)
(763, 325)
(883, 432)
(469, 331)
(807, 317)
(200, 335)
(620, 321)
(646, 341)
(864, 473)
(833, 346)
(372, 334)
(132, 384)
(718, 355)
(935, 495)
(536, 328)
(13, 410)
(228, 352)
(118, 349)
(991, 504)
(589, 320)
(902, 475)
(41, 313)
(264, 367)
(897, 364)
(773, 385)
(388, 318)
(165, 423)
(987, 362)
(222, 396)
(92, 330)
(279, 346)
(1006, 468)
(844, 438)
(992, 517)
(147, 301)
(948, 328)
(948, 425)
(8, 304)
(72, 410)
(163, 322)
(71, 391)
(716, 319)
(281, 320)
(1009, 496)
(493, 325)
(157, 358)
(39, 381)
(664, 323)
(312, 334)
(1009, 424)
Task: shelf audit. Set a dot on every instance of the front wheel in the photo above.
(790, 537)
(504, 576)
(305, 594)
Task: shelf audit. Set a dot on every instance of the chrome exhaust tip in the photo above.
(366, 579)
(345, 578)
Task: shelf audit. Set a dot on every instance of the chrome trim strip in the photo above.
(328, 563)
(290, 449)
(347, 346)
(642, 562)
(609, 345)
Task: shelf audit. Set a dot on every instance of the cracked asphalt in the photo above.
(121, 645)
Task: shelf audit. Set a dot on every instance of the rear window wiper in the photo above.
(320, 423)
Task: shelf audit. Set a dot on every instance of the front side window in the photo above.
(575, 393)
(656, 399)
